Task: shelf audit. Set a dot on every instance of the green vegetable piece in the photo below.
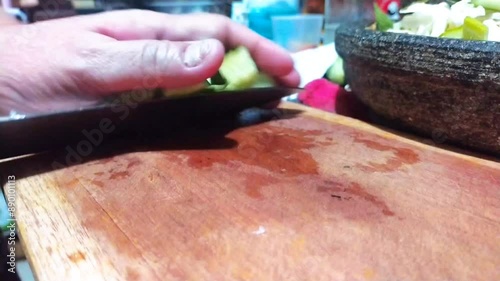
(383, 21)
(214, 88)
(186, 90)
(125, 97)
(488, 4)
(237, 72)
(488, 15)
(454, 33)
(475, 30)
(239, 69)
(217, 79)
(335, 72)
(263, 81)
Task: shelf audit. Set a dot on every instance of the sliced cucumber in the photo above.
(237, 72)
(335, 72)
(263, 81)
(488, 4)
(215, 88)
(186, 90)
(454, 33)
(239, 69)
(475, 30)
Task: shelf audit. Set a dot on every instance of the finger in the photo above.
(290, 80)
(148, 64)
(136, 25)
(270, 57)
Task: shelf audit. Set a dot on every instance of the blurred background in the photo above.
(294, 24)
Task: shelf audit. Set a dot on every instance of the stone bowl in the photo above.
(446, 89)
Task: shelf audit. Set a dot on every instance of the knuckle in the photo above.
(156, 57)
(133, 13)
(86, 67)
(220, 25)
(220, 19)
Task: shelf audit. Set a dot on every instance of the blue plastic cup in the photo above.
(298, 32)
(260, 13)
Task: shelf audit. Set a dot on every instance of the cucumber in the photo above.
(186, 90)
(239, 69)
(263, 81)
(475, 30)
(454, 33)
(214, 88)
(237, 72)
(335, 72)
(488, 4)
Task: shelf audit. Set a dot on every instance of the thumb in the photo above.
(147, 64)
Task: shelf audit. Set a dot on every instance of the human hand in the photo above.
(72, 62)
(6, 19)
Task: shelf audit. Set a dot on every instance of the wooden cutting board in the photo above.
(312, 196)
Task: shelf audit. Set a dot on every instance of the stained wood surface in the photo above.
(312, 196)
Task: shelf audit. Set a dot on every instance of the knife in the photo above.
(39, 133)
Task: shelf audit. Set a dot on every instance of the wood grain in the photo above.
(308, 197)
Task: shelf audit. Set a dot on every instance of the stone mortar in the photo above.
(447, 89)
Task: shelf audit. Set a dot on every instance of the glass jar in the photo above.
(338, 12)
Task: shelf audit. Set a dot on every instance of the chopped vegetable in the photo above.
(239, 69)
(335, 72)
(454, 33)
(384, 22)
(464, 19)
(463, 9)
(186, 90)
(474, 30)
(237, 72)
(494, 30)
(321, 94)
(263, 81)
(488, 4)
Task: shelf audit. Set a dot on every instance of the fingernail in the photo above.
(196, 53)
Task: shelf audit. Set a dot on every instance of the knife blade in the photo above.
(38, 133)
